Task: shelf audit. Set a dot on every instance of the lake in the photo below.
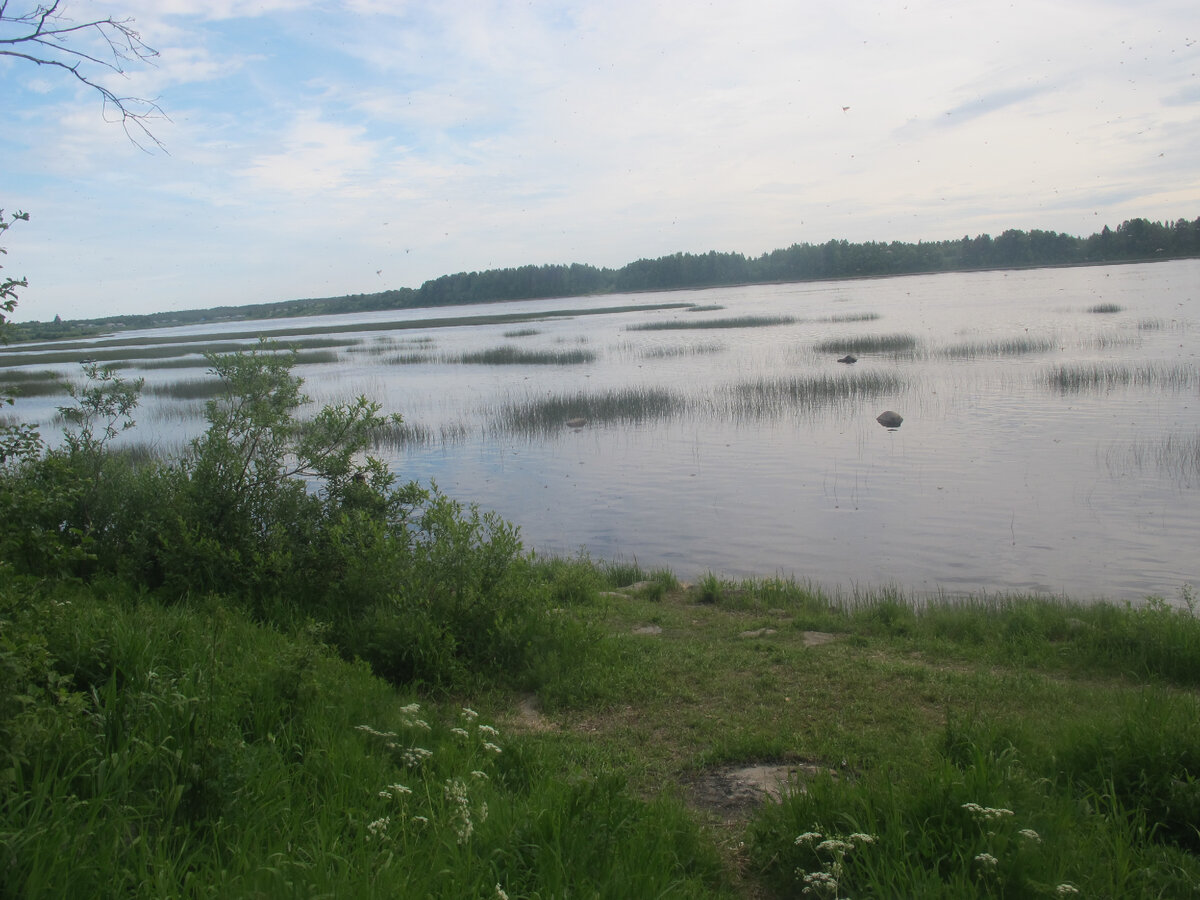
(1050, 441)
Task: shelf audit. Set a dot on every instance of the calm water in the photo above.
(996, 481)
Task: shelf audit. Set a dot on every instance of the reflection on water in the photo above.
(1043, 447)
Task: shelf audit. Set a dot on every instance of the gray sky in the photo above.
(319, 149)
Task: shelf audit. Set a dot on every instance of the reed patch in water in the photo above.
(853, 317)
(188, 389)
(1014, 346)
(682, 350)
(1176, 455)
(1104, 308)
(624, 406)
(869, 343)
(514, 356)
(737, 322)
(522, 332)
(42, 383)
(1080, 377)
(771, 397)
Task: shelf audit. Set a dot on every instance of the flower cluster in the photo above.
(831, 851)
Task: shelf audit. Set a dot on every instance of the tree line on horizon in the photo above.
(1133, 240)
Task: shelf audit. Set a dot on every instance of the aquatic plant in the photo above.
(514, 356)
(1103, 308)
(1014, 346)
(868, 343)
(544, 415)
(738, 322)
(681, 350)
(1104, 376)
(768, 397)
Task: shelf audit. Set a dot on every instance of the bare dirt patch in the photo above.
(733, 792)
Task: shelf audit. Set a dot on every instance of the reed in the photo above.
(1104, 308)
(41, 383)
(1080, 377)
(625, 406)
(682, 350)
(410, 359)
(737, 322)
(773, 397)
(521, 332)
(1014, 346)
(869, 343)
(514, 356)
(853, 317)
(711, 307)
(189, 389)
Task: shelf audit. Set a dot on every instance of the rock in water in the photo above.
(576, 423)
(848, 359)
(889, 419)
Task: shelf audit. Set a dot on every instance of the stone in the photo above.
(576, 423)
(848, 359)
(889, 419)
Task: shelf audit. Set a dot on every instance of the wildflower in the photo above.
(985, 813)
(491, 748)
(379, 827)
(1030, 835)
(385, 795)
(500, 895)
(489, 731)
(420, 723)
(414, 756)
(808, 837)
(1064, 889)
(479, 776)
(859, 838)
(469, 714)
(987, 860)
(420, 820)
(399, 789)
(835, 846)
(461, 732)
(411, 710)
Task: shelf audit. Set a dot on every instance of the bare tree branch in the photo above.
(43, 36)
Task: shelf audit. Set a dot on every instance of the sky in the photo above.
(315, 148)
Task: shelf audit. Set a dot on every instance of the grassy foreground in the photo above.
(1007, 748)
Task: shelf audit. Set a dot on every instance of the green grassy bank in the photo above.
(268, 669)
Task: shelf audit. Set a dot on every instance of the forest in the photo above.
(1133, 240)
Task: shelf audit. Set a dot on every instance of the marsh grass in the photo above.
(189, 389)
(1079, 377)
(869, 343)
(1176, 455)
(522, 332)
(682, 350)
(1149, 324)
(1014, 346)
(774, 397)
(131, 356)
(404, 434)
(514, 356)
(853, 317)
(710, 307)
(736, 322)
(1104, 308)
(41, 383)
(625, 406)
(414, 358)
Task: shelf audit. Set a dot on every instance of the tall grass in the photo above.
(40, 383)
(189, 389)
(737, 322)
(773, 397)
(681, 350)
(521, 332)
(514, 356)
(1103, 308)
(852, 317)
(1013, 346)
(869, 343)
(1078, 377)
(401, 435)
(626, 406)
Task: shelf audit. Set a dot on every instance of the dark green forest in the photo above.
(1132, 240)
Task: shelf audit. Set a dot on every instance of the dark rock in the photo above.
(576, 423)
(889, 419)
(848, 359)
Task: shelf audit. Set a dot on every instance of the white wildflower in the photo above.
(1030, 835)
(399, 789)
(859, 838)
(500, 895)
(1064, 889)
(420, 820)
(414, 756)
(460, 732)
(808, 837)
(491, 748)
(833, 845)
(987, 860)
(379, 827)
(469, 714)
(479, 776)
(489, 731)
(385, 795)
(411, 710)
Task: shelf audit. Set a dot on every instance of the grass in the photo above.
(1080, 377)
(869, 343)
(514, 356)
(1104, 308)
(1176, 454)
(998, 746)
(521, 332)
(736, 322)
(401, 435)
(853, 317)
(773, 397)
(626, 406)
(1013, 346)
(682, 350)
(39, 383)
